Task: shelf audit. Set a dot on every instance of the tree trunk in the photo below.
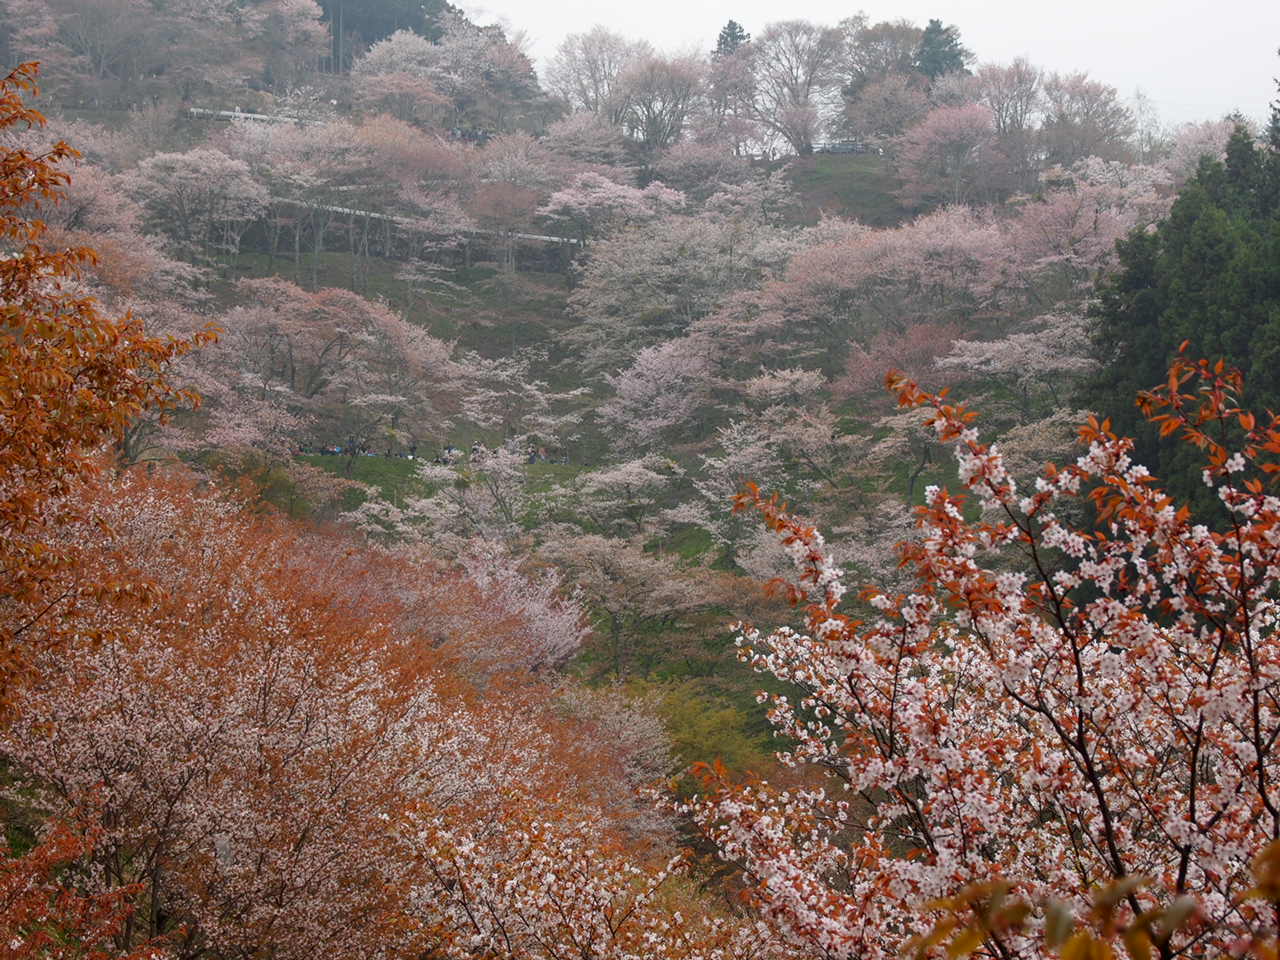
(317, 247)
(615, 644)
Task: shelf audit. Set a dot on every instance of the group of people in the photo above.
(448, 455)
(479, 453)
(358, 450)
(479, 137)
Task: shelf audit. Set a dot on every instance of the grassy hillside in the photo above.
(858, 186)
(487, 311)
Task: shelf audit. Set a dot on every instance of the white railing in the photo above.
(409, 223)
(200, 113)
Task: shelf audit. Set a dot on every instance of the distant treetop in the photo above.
(940, 51)
(732, 38)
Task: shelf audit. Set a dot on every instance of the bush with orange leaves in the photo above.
(285, 757)
(42, 918)
(71, 380)
(254, 735)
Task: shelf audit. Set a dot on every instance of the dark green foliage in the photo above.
(732, 38)
(940, 51)
(1210, 274)
(368, 21)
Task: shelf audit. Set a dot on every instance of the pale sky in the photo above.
(1197, 60)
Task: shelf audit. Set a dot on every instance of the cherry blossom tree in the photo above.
(1071, 230)
(632, 591)
(43, 915)
(740, 452)
(1041, 709)
(117, 51)
(806, 435)
(236, 761)
(297, 166)
(1084, 118)
(486, 495)
(509, 395)
(488, 78)
(472, 78)
(949, 156)
(1039, 361)
(399, 169)
(487, 498)
(203, 200)
(71, 380)
(701, 169)
(630, 724)
(885, 109)
(656, 398)
(404, 95)
(853, 282)
(793, 66)
(547, 620)
(593, 205)
(653, 282)
(327, 368)
(913, 351)
(284, 756)
(1192, 141)
(397, 74)
(544, 888)
(96, 210)
(586, 69)
(504, 208)
(622, 499)
(660, 93)
(519, 159)
(586, 138)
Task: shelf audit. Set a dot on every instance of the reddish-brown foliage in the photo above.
(71, 380)
(42, 917)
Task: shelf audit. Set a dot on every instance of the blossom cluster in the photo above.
(1053, 705)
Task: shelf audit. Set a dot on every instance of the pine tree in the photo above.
(1209, 274)
(732, 38)
(940, 51)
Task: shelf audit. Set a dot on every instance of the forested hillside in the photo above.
(395, 433)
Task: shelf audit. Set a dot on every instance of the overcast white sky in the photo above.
(1195, 59)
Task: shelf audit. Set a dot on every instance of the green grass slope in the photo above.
(857, 186)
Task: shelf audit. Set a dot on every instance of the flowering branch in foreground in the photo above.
(1058, 706)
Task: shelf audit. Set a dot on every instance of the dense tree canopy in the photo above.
(1210, 275)
(388, 645)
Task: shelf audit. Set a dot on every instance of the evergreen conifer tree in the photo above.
(940, 51)
(732, 38)
(1208, 274)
